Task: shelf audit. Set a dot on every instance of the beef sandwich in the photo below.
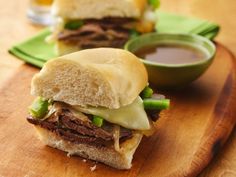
(95, 103)
(82, 24)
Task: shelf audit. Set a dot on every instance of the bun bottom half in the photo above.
(106, 155)
(62, 48)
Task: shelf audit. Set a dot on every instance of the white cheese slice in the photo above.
(132, 116)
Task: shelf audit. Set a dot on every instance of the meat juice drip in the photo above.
(171, 54)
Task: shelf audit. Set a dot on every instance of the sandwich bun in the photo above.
(63, 48)
(104, 77)
(84, 9)
(106, 155)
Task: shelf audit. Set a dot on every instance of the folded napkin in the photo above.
(171, 23)
(36, 51)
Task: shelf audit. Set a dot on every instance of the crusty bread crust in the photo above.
(108, 156)
(104, 77)
(82, 9)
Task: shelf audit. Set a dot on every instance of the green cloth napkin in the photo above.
(36, 51)
(171, 23)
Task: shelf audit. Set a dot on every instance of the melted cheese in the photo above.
(132, 116)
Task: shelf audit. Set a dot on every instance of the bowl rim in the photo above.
(193, 36)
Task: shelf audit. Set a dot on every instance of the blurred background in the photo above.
(222, 12)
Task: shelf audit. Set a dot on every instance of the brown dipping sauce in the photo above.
(171, 54)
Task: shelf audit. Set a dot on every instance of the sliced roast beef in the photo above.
(77, 138)
(83, 127)
(79, 129)
(107, 32)
(52, 126)
(153, 114)
(84, 31)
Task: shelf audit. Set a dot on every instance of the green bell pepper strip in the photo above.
(74, 25)
(154, 3)
(154, 104)
(98, 121)
(133, 34)
(39, 108)
(146, 93)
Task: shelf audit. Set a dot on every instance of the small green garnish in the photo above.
(154, 3)
(39, 108)
(146, 93)
(133, 33)
(154, 104)
(98, 121)
(74, 24)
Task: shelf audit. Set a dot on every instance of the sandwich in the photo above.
(95, 103)
(83, 24)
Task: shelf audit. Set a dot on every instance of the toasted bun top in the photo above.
(83, 9)
(97, 77)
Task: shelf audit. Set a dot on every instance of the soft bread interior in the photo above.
(81, 9)
(120, 160)
(98, 77)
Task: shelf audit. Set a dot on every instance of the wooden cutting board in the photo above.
(189, 134)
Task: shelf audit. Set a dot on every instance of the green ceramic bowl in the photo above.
(174, 75)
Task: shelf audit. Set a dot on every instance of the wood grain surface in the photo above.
(15, 27)
(188, 136)
(223, 13)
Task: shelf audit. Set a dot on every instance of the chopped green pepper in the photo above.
(154, 104)
(146, 93)
(74, 24)
(133, 33)
(154, 3)
(98, 121)
(39, 108)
